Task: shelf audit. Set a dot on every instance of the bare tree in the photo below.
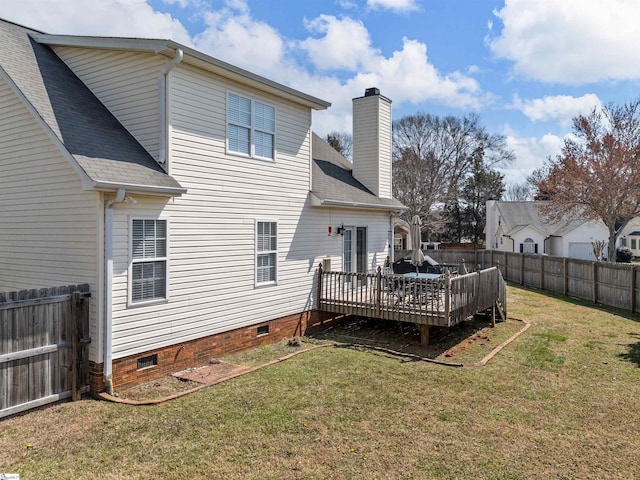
(342, 142)
(598, 249)
(597, 175)
(517, 192)
(433, 156)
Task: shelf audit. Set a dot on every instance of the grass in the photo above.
(560, 402)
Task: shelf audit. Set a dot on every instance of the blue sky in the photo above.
(526, 67)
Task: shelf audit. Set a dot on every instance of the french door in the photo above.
(354, 249)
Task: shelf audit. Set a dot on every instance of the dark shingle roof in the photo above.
(333, 183)
(101, 146)
(518, 215)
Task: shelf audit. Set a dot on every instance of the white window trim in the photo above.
(140, 303)
(257, 253)
(252, 128)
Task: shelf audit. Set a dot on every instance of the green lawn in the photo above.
(562, 401)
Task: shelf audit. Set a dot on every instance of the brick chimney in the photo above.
(372, 142)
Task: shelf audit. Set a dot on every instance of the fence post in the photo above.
(506, 266)
(541, 272)
(595, 282)
(633, 288)
(565, 274)
(76, 318)
(522, 269)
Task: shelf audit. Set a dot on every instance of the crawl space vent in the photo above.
(146, 362)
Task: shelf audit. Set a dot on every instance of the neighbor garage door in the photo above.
(582, 250)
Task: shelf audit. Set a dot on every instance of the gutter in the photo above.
(110, 186)
(121, 197)
(347, 204)
(163, 79)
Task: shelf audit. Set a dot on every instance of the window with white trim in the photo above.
(529, 246)
(251, 127)
(266, 252)
(148, 260)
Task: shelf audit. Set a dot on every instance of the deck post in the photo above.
(424, 334)
(319, 288)
(493, 315)
(378, 300)
(447, 298)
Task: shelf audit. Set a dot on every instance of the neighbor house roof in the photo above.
(333, 184)
(519, 215)
(100, 149)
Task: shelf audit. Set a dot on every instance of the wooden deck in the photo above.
(442, 302)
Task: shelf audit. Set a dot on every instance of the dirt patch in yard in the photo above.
(444, 344)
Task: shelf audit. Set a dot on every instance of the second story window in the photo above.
(251, 127)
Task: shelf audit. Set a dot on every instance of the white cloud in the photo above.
(570, 41)
(347, 4)
(345, 43)
(124, 18)
(234, 36)
(397, 5)
(560, 108)
(408, 76)
(405, 76)
(530, 154)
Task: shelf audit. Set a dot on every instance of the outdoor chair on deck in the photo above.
(399, 289)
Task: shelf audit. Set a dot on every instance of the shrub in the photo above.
(624, 255)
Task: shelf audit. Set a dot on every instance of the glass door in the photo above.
(347, 250)
(354, 250)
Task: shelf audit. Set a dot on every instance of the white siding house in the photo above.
(190, 194)
(521, 227)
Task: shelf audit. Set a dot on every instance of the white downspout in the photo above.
(164, 118)
(391, 239)
(121, 197)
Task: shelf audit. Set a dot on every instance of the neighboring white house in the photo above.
(191, 195)
(521, 227)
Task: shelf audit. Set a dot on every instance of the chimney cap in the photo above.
(369, 92)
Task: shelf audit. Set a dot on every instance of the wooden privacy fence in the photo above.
(43, 346)
(612, 284)
(443, 302)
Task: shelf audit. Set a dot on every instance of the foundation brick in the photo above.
(173, 358)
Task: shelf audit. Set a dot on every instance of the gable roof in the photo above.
(99, 148)
(518, 215)
(333, 184)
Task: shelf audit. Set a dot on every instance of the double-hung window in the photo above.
(266, 252)
(251, 127)
(148, 260)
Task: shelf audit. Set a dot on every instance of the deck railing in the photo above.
(444, 301)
